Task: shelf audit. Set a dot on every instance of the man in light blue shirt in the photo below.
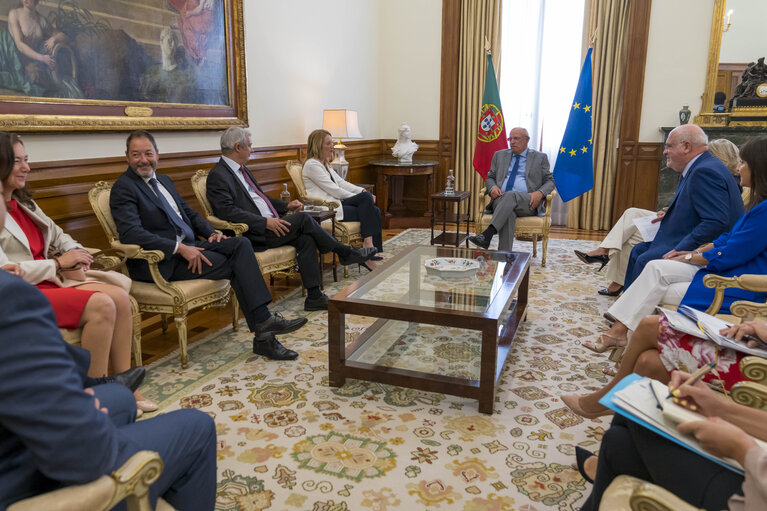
(518, 180)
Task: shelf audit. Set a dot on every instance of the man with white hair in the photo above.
(707, 202)
(518, 181)
(235, 196)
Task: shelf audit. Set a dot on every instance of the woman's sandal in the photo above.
(581, 455)
(616, 348)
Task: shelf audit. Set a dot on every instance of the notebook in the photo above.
(644, 401)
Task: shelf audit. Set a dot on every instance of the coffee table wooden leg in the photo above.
(336, 347)
(487, 371)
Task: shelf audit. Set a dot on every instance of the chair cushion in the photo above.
(72, 336)
(285, 255)
(523, 222)
(149, 293)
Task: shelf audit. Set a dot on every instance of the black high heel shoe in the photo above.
(581, 455)
(583, 256)
(607, 292)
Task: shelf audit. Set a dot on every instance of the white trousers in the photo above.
(619, 242)
(661, 281)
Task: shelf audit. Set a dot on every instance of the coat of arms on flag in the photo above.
(491, 124)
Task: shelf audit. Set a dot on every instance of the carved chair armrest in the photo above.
(757, 283)
(223, 225)
(629, 493)
(131, 481)
(152, 257)
(549, 198)
(316, 201)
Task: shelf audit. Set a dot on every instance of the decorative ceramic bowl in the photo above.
(452, 267)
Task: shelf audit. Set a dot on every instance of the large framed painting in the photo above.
(96, 65)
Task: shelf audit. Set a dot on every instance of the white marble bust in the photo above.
(404, 148)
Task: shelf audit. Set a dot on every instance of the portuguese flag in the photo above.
(491, 135)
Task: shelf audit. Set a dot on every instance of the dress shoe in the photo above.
(271, 348)
(602, 259)
(581, 455)
(607, 292)
(480, 240)
(316, 304)
(131, 378)
(277, 325)
(357, 255)
(147, 405)
(573, 402)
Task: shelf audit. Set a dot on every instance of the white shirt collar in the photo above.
(233, 165)
(689, 164)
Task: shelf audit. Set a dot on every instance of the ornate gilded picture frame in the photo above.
(90, 65)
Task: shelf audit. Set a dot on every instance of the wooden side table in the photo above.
(321, 216)
(451, 238)
(391, 175)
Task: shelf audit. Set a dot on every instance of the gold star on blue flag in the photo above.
(574, 172)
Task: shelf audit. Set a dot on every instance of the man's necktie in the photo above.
(255, 189)
(513, 175)
(182, 228)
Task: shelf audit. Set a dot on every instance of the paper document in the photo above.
(646, 228)
(711, 326)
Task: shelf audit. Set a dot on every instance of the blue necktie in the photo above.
(513, 176)
(182, 228)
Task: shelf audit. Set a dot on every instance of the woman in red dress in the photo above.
(33, 241)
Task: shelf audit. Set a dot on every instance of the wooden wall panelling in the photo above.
(448, 111)
(631, 186)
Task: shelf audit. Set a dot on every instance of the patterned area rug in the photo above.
(288, 441)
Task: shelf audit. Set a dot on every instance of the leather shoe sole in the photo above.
(607, 292)
(277, 325)
(317, 304)
(272, 349)
(131, 378)
(480, 241)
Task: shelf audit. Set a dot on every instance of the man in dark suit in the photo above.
(149, 212)
(518, 181)
(707, 201)
(53, 433)
(235, 196)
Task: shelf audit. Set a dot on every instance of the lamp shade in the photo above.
(341, 123)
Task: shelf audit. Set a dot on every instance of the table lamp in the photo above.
(341, 124)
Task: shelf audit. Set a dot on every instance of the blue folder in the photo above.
(607, 401)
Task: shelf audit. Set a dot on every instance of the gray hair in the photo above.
(233, 136)
(692, 134)
(527, 135)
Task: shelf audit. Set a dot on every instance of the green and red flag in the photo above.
(491, 135)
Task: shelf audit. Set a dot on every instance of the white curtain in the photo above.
(541, 61)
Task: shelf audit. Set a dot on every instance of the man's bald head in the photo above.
(683, 144)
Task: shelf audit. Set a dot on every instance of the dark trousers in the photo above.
(185, 440)
(641, 254)
(361, 208)
(308, 236)
(630, 449)
(232, 259)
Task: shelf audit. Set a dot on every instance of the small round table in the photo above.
(394, 172)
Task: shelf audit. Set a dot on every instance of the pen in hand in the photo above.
(695, 377)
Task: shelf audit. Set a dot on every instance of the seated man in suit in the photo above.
(518, 181)
(149, 212)
(235, 196)
(707, 202)
(54, 433)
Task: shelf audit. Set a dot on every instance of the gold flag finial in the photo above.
(593, 38)
(487, 46)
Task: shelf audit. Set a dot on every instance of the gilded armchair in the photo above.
(533, 226)
(130, 482)
(161, 296)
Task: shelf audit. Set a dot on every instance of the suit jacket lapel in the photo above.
(15, 230)
(504, 164)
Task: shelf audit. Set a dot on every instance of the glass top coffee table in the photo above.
(447, 328)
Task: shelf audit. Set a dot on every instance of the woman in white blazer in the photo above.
(35, 248)
(323, 182)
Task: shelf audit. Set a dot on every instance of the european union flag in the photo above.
(574, 170)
